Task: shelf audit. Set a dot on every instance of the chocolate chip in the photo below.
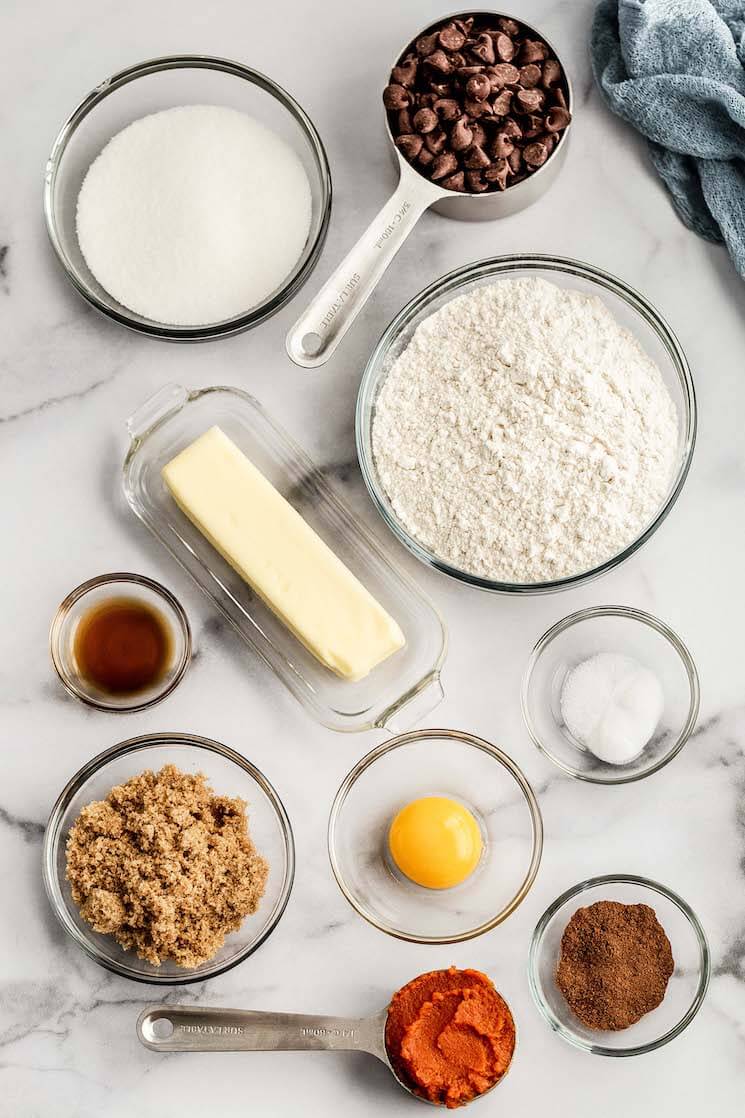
(395, 96)
(530, 75)
(559, 98)
(466, 72)
(451, 37)
(441, 89)
(512, 129)
(475, 182)
(405, 73)
(504, 47)
(435, 141)
(476, 158)
(483, 48)
(529, 100)
(478, 87)
(447, 108)
(533, 50)
(461, 135)
(557, 118)
(426, 44)
(404, 122)
(535, 155)
(506, 74)
(533, 126)
(425, 157)
(502, 146)
(478, 133)
(501, 105)
(425, 120)
(514, 160)
(551, 73)
(444, 165)
(498, 173)
(455, 182)
(409, 145)
(439, 61)
(504, 23)
(475, 108)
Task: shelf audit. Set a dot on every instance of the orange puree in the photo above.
(449, 1035)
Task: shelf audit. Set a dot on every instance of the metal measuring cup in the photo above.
(318, 331)
(188, 1028)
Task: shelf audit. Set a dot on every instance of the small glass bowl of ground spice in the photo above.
(619, 965)
(120, 642)
(205, 801)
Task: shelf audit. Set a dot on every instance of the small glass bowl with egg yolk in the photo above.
(435, 836)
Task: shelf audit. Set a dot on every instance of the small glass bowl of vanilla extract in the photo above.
(120, 642)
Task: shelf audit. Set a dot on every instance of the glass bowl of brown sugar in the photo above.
(233, 784)
(664, 965)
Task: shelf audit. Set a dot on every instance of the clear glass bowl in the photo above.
(617, 629)
(629, 308)
(94, 593)
(685, 991)
(397, 692)
(441, 763)
(229, 774)
(149, 87)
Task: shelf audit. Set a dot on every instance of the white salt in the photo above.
(194, 215)
(611, 704)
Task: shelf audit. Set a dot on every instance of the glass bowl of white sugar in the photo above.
(526, 423)
(188, 197)
(610, 694)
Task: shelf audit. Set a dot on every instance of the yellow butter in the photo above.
(280, 556)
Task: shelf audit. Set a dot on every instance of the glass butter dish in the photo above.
(399, 691)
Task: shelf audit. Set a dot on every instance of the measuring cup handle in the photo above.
(318, 331)
(181, 1028)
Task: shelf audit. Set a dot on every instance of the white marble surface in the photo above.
(69, 378)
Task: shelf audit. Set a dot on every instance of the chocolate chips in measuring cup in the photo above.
(478, 104)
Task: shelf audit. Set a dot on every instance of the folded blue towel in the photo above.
(675, 69)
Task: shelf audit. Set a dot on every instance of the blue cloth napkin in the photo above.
(675, 70)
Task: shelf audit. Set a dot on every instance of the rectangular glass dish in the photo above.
(398, 692)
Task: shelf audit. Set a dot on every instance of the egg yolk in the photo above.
(435, 842)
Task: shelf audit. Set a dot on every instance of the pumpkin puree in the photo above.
(450, 1036)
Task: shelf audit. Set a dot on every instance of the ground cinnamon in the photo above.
(615, 964)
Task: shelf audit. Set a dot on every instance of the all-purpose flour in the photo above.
(524, 435)
(194, 215)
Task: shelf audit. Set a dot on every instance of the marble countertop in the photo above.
(70, 378)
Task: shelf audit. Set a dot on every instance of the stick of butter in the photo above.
(280, 556)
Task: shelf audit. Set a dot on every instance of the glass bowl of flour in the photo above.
(188, 197)
(526, 423)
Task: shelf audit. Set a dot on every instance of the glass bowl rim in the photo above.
(529, 796)
(144, 742)
(67, 603)
(451, 283)
(161, 64)
(632, 614)
(614, 879)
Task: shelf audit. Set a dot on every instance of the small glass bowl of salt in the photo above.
(610, 694)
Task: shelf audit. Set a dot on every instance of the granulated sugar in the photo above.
(524, 435)
(194, 215)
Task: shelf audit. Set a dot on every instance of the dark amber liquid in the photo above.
(122, 646)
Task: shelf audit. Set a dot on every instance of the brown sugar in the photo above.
(165, 866)
(615, 964)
